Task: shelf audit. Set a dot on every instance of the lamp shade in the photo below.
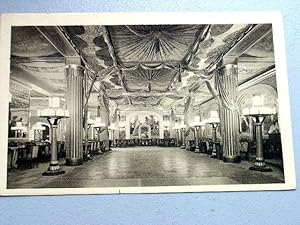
(203, 122)
(196, 122)
(214, 117)
(19, 126)
(258, 107)
(54, 102)
(38, 126)
(182, 126)
(176, 126)
(98, 123)
(121, 124)
(112, 126)
(258, 100)
(53, 112)
(90, 121)
(166, 123)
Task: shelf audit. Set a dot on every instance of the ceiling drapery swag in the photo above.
(114, 115)
(149, 66)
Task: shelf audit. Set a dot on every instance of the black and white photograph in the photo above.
(143, 104)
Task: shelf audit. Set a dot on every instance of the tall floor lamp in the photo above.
(183, 129)
(258, 111)
(19, 129)
(97, 126)
(166, 124)
(38, 129)
(177, 130)
(214, 121)
(197, 124)
(53, 114)
(111, 130)
(90, 123)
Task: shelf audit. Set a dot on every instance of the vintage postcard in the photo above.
(144, 103)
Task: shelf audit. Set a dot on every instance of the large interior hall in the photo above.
(143, 105)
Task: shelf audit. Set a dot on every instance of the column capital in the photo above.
(73, 61)
(74, 70)
(228, 70)
(228, 61)
(74, 66)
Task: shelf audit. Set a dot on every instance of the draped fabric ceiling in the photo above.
(141, 64)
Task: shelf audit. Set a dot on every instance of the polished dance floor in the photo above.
(145, 166)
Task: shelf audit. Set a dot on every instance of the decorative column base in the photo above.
(87, 157)
(231, 159)
(106, 149)
(53, 170)
(214, 156)
(214, 152)
(260, 166)
(197, 149)
(73, 162)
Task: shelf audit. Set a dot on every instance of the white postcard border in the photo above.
(8, 20)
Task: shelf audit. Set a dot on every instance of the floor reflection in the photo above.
(145, 166)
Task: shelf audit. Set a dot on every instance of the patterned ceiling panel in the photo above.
(145, 100)
(149, 80)
(171, 100)
(90, 42)
(156, 43)
(219, 40)
(29, 42)
(263, 48)
(218, 29)
(122, 101)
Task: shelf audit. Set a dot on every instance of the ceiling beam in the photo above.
(17, 60)
(112, 53)
(151, 94)
(249, 40)
(37, 84)
(258, 78)
(202, 34)
(59, 41)
(255, 60)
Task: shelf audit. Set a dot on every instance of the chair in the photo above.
(28, 157)
(93, 148)
(208, 146)
(192, 145)
(244, 150)
(61, 150)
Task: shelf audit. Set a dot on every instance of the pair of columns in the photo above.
(227, 85)
(75, 95)
(228, 75)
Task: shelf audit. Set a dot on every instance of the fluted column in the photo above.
(104, 115)
(172, 124)
(183, 138)
(228, 75)
(74, 74)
